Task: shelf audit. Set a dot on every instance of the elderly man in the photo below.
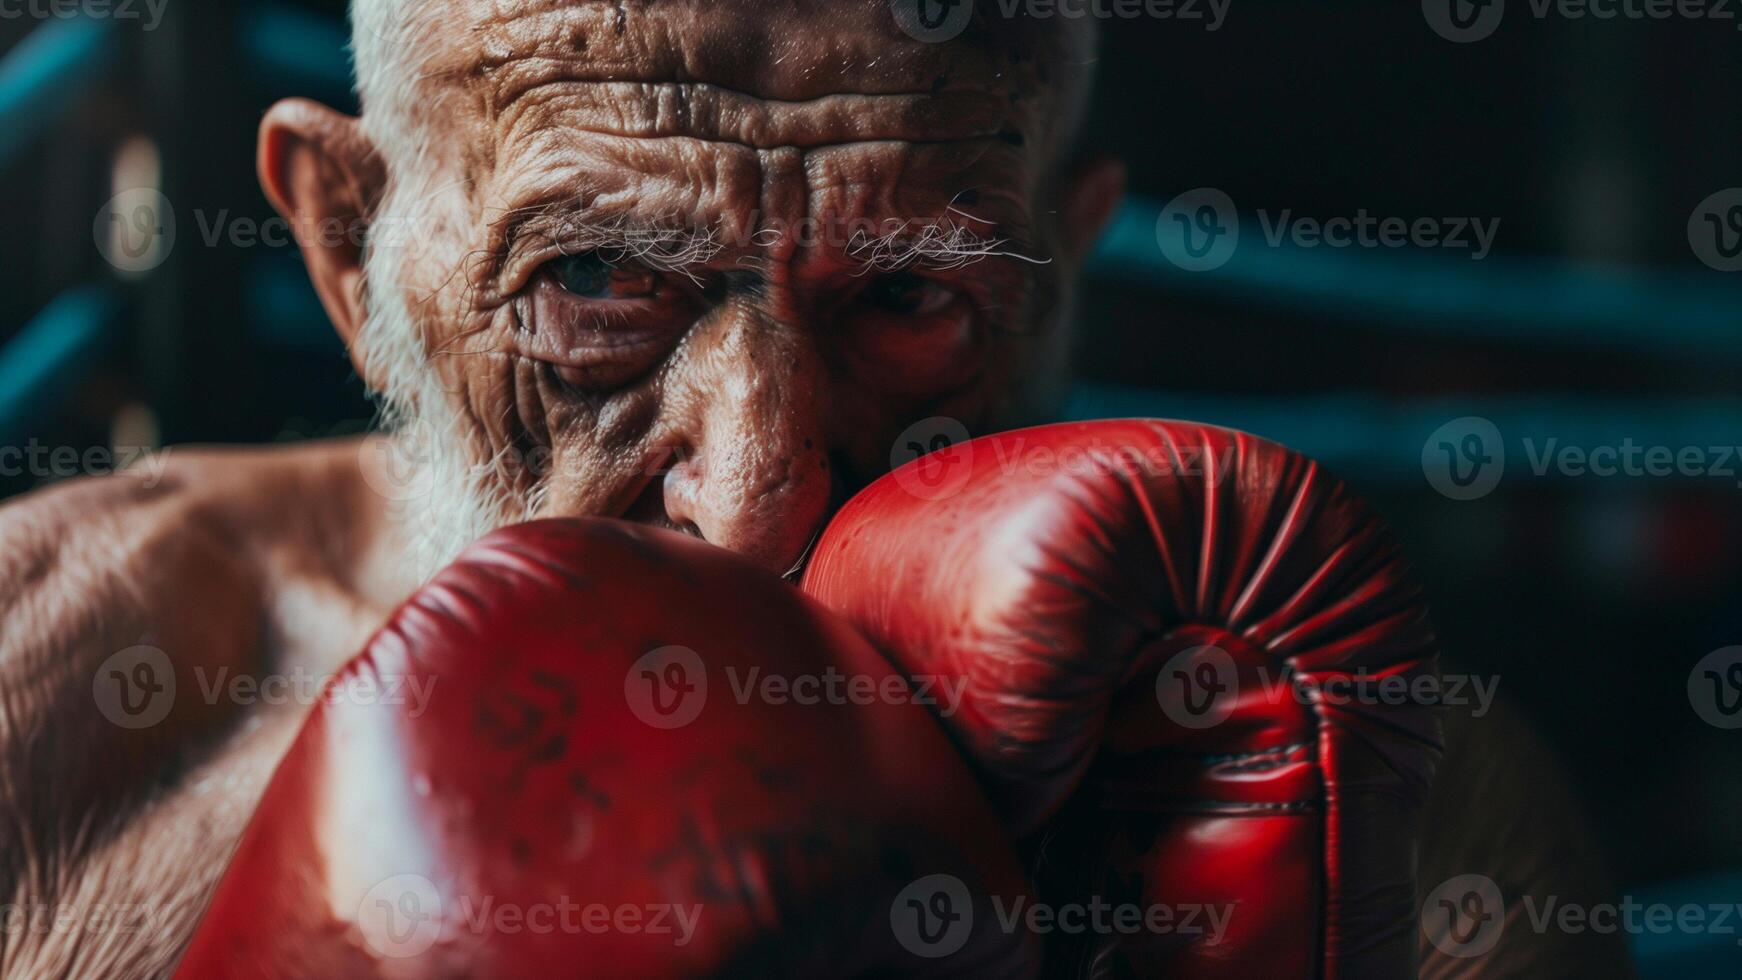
(694, 265)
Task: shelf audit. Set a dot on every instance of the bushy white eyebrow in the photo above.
(941, 245)
(667, 249)
(877, 246)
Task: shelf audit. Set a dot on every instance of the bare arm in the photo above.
(90, 570)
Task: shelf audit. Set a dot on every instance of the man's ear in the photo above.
(324, 176)
(1092, 192)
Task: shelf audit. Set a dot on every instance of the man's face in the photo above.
(700, 264)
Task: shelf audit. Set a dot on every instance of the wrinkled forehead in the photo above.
(764, 75)
(794, 50)
(751, 115)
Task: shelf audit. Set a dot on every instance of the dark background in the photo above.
(1591, 141)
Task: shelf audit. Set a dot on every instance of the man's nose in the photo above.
(753, 475)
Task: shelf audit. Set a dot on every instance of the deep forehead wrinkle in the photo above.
(788, 52)
(759, 74)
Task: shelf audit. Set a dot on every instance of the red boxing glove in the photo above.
(1198, 639)
(579, 791)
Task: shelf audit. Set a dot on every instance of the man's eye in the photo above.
(591, 277)
(906, 294)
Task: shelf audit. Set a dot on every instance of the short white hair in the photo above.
(388, 44)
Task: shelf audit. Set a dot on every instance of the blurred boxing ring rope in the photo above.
(1543, 303)
(40, 79)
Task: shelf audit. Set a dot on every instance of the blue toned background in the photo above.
(1592, 322)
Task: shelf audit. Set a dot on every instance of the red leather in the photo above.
(1060, 570)
(530, 776)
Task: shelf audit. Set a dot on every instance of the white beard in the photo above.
(441, 498)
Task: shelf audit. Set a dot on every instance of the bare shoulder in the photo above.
(219, 506)
(188, 556)
(192, 547)
(180, 551)
(183, 552)
(82, 557)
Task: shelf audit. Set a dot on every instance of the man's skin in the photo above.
(736, 398)
(748, 381)
(259, 561)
